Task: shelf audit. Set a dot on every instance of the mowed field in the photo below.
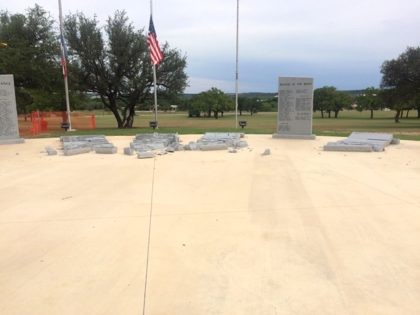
(265, 123)
(261, 123)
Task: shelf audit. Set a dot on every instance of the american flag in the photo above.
(156, 55)
(63, 55)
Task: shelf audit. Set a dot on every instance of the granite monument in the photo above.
(9, 129)
(295, 106)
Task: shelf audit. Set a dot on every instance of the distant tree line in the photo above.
(399, 90)
(214, 103)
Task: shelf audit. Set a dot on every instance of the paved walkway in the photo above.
(301, 231)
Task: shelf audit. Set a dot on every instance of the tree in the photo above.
(341, 100)
(330, 100)
(401, 80)
(268, 104)
(31, 54)
(115, 64)
(213, 100)
(250, 104)
(392, 99)
(323, 98)
(369, 100)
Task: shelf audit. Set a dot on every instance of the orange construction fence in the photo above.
(43, 122)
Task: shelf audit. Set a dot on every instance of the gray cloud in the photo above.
(339, 43)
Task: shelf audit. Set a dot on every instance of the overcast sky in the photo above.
(338, 43)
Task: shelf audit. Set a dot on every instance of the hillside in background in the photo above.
(263, 95)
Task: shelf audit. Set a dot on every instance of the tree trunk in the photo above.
(402, 113)
(112, 106)
(371, 114)
(209, 113)
(222, 112)
(329, 114)
(406, 114)
(117, 117)
(216, 114)
(336, 114)
(397, 115)
(418, 112)
(240, 112)
(130, 118)
(322, 114)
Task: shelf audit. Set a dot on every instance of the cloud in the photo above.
(197, 85)
(339, 43)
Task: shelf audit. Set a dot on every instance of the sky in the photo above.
(338, 43)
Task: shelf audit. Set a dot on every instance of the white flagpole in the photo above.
(155, 90)
(237, 64)
(154, 73)
(151, 200)
(66, 85)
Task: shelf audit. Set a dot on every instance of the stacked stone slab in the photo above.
(106, 148)
(145, 155)
(128, 151)
(150, 142)
(76, 150)
(362, 142)
(218, 141)
(73, 145)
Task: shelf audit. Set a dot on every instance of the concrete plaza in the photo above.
(300, 231)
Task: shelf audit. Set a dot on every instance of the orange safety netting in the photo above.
(44, 122)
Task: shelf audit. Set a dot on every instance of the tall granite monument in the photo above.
(9, 129)
(295, 105)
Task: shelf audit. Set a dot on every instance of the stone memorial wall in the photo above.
(295, 106)
(9, 129)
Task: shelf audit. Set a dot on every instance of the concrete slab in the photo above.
(362, 142)
(299, 231)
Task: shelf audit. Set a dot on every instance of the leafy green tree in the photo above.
(391, 98)
(324, 98)
(369, 100)
(115, 64)
(328, 99)
(401, 80)
(341, 100)
(242, 104)
(31, 54)
(199, 104)
(212, 101)
(268, 105)
(250, 104)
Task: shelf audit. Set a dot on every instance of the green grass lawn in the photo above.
(348, 121)
(261, 123)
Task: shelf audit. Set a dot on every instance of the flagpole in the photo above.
(155, 92)
(66, 85)
(154, 74)
(237, 64)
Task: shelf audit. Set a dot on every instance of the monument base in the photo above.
(12, 141)
(286, 136)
